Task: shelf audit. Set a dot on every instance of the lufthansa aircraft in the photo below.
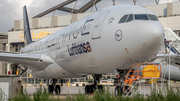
(110, 39)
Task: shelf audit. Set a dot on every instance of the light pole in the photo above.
(169, 65)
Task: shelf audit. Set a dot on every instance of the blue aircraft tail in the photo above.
(27, 32)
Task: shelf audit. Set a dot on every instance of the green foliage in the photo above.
(22, 96)
(40, 95)
(105, 95)
(78, 97)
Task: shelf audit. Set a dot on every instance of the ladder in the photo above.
(171, 47)
(134, 77)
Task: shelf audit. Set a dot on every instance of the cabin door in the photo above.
(98, 24)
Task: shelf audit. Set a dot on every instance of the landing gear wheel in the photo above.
(118, 91)
(87, 87)
(57, 89)
(92, 88)
(51, 89)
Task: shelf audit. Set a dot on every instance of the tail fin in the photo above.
(27, 33)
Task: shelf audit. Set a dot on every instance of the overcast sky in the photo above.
(11, 10)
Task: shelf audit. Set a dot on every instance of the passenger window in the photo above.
(123, 19)
(152, 17)
(130, 18)
(141, 17)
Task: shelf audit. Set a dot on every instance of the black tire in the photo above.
(51, 89)
(21, 89)
(87, 89)
(83, 85)
(57, 89)
(92, 88)
(118, 91)
(100, 87)
(77, 84)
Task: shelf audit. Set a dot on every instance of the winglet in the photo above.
(27, 33)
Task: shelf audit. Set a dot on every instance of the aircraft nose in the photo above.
(151, 35)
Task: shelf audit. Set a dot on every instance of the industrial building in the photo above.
(168, 14)
(3, 47)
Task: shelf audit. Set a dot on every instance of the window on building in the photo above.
(24, 80)
(73, 80)
(5, 68)
(31, 80)
(38, 81)
(16, 47)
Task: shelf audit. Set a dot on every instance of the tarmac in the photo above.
(143, 89)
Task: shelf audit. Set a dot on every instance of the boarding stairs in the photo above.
(131, 88)
(135, 75)
(174, 45)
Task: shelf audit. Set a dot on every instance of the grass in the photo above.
(2, 95)
(105, 95)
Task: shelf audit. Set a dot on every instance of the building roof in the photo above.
(3, 35)
(67, 9)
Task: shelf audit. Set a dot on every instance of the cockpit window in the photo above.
(123, 19)
(152, 17)
(141, 17)
(130, 18)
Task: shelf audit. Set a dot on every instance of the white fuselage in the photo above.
(99, 44)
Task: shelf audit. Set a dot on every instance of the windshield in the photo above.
(123, 19)
(141, 17)
(152, 17)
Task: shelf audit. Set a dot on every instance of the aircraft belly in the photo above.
(54, 71)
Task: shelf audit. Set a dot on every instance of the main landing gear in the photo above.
(89, 89)
(54, 87)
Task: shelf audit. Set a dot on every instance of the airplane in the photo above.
(113, 38)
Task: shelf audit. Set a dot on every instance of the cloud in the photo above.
(11, 10)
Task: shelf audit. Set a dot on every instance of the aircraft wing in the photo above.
(165, 55)
(32, 61)
(2, 51)
(175, 59)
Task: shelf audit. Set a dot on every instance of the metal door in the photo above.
(98, 25)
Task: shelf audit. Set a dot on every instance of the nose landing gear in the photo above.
(121, 87)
